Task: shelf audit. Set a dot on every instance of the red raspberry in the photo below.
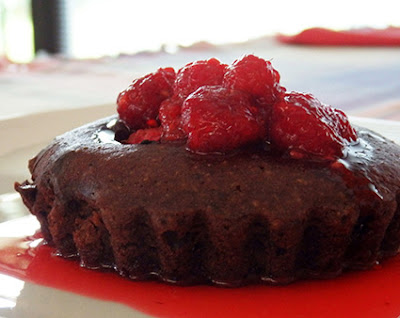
(170, 117)
(145, 135)
(197, 74)
(140, 102)
(343, 125)
(218, 119)
(304, 126)
(255, 76)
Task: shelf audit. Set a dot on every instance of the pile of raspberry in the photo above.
(217, 108)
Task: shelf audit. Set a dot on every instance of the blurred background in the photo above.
(63, 54)
(95, 28)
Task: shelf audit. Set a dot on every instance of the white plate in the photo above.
(20, 139)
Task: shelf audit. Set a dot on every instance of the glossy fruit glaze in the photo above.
(372, 293)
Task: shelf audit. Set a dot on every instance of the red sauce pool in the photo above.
(374, 293)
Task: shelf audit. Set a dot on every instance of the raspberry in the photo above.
(218, 119)
(145, 135)
(152, 123)
(170, 117)
(304, 126)
(197, 74)
(346, 130)
(140, 102)
(255, 76)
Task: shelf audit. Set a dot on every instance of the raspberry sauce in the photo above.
(372, 293)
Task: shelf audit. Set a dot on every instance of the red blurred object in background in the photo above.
(354, 37)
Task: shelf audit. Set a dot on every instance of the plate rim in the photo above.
(24, 127)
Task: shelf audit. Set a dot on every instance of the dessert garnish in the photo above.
(217, 108)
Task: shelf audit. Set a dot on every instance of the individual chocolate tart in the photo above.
(217, 175)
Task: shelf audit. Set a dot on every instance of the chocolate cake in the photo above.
(155, 199)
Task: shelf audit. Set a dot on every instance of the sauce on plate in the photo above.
(372, 293)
